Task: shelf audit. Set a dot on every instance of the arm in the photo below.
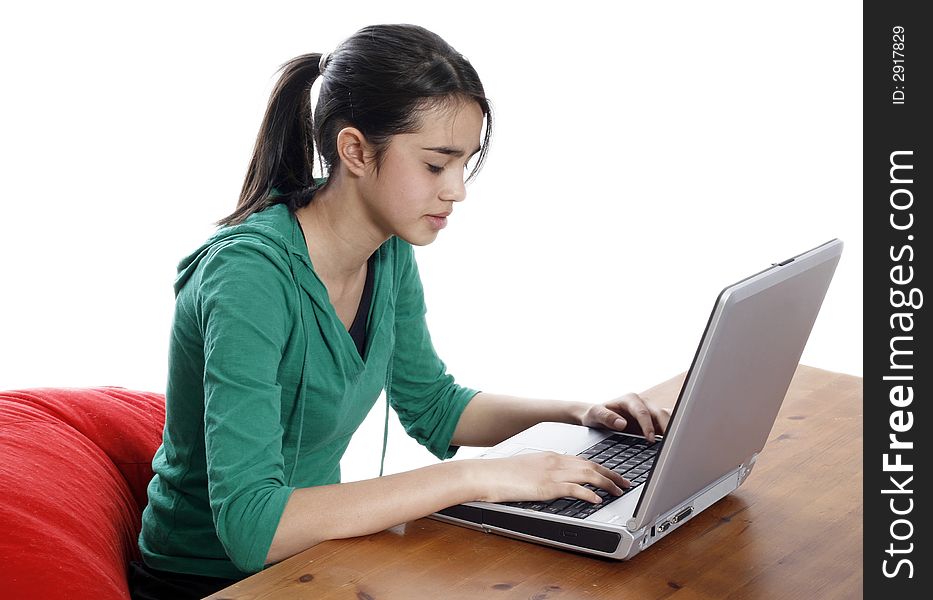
(489, 418)
(345, 510)
(242, 308)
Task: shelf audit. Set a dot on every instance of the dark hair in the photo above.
(379, 80)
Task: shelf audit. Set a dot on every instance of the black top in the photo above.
(358, 328)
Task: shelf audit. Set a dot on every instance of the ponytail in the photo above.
(280, 169)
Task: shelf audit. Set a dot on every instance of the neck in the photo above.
(338, 231)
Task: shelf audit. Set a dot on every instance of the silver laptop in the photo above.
(723, 415)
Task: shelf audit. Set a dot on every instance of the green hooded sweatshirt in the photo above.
(266, 387)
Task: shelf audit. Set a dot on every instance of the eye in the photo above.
(434, 168)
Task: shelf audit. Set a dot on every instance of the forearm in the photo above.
(490, 418)
(316, 514)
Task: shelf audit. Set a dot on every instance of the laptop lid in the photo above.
(740, 373)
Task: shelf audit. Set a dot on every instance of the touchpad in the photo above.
(530, 450)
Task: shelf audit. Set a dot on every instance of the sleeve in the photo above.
(243, 298)
(427, 400)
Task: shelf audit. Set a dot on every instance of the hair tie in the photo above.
(323, 62)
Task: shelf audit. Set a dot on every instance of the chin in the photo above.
(418, 238)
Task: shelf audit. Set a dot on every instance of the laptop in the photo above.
(724, 413)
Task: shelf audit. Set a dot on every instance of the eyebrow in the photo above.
(450, 151)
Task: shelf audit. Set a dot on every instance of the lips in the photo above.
(441, 215)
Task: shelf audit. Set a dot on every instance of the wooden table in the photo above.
(793, 530)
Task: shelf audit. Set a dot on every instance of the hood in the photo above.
(275, 225)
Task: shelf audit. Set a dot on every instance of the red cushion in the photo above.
(74, 465)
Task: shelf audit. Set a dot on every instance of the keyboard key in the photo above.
(559, 505)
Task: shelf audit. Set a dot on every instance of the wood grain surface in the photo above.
(793, 530)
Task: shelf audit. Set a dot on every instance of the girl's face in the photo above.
(423, 173)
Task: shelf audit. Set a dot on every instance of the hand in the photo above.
(629, 413)
(543, 476)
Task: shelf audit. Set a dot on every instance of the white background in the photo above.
(644, 156)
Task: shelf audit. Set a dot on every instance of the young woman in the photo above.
(307, 303)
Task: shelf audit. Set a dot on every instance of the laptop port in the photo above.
(664, 526)
(682, 515)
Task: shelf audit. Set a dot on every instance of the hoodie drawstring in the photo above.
(301, 376)
(385, 430)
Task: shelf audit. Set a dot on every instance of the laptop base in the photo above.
(588, 536)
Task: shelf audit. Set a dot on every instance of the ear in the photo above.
(355, 152)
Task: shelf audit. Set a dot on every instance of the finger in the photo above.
(656, 417)
(639, 410)
(587, 471)
(595, 477)
(662, 418)
(575, 490)
(612, 419)
(620, 481)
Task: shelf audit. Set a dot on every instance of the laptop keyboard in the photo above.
(630, 457)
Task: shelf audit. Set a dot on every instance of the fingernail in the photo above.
(619, 423)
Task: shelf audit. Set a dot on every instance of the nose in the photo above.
(454, 189)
